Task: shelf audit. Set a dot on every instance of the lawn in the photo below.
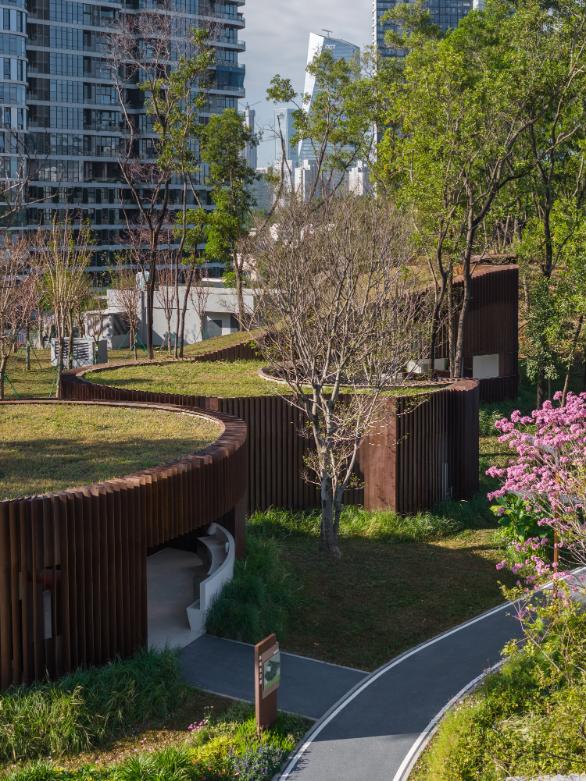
(224, 379)
(39, 381)
(52, 447)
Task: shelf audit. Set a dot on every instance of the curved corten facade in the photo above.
(73, 564)
(425, 452)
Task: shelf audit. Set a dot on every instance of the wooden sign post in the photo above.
(267, 678)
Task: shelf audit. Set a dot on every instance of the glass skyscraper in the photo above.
(340, 50)
(59, 110)
(445, 13)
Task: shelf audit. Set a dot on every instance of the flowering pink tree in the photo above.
(542, 498)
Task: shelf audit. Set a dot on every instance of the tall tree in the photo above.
(223, 141)
(456, 122)
(551, 51)
(157, 71)
(336, 123)
(344, 315)
(64, 254)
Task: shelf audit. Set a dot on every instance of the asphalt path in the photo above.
(308, 687)
(375, 731)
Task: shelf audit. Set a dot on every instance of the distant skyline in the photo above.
(277, 35)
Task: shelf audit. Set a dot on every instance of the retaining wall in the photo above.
(73, 564)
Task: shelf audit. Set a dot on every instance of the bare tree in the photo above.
(64, 255)
(199, 296)
(157, 69)
(168, 299)
(344, 316)
(128, 300)
(18, 298)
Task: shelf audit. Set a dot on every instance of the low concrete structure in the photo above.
(211, 311)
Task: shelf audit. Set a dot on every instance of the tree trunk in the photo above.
(149, 315)
(435, 323)
(239, 294)
(330, 518)
(181, 335)
(61, 343)
(3, 363)
(571, 359)
(465, 305)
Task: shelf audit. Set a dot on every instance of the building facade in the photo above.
(446, 14)
(62, 125)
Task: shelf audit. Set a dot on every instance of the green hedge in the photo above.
(84, 709)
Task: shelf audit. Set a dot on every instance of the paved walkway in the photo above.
(375, 730)
(308, 687)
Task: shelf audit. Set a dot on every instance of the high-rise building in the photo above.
(59, 104)
(445, 13)
(340, 50)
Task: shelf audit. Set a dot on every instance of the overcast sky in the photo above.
(276, 35)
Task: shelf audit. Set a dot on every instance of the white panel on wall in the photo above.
(485, 367)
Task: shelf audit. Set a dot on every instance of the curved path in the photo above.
(375, 731)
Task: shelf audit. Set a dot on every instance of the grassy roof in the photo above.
(222, 379)
(45, 448)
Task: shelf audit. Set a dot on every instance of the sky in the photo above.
(276, 35)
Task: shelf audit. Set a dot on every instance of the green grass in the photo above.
(222, 379)
(224, 745)
(87, 708)
(225, 379)
(135, 719)
(51, 447)
(400, 581)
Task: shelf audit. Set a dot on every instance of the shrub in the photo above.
(259, 599)
(87, 707)
(224, 748)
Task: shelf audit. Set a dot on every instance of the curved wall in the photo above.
(73, 563)
(424, 453)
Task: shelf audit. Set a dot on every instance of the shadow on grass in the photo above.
(40, 466)
(380, 598)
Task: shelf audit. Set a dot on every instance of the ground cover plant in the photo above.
(47, 447)
(224, 379)
(87, 708)
(134, 720)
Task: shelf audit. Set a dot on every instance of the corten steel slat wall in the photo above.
(410, 465)
(492, 328)
(87, 548)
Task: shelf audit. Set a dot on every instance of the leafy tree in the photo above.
(222, 142)
(551, 46)
(454, 143)
(337, 124)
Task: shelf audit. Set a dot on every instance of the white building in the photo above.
(217, 303)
